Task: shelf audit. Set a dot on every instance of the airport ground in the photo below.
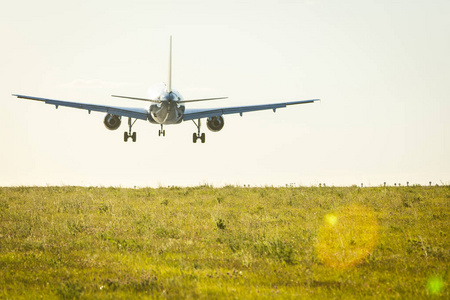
(221, 243)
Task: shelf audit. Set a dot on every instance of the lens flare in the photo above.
(435, 285)
(347, 236)
(331, 219)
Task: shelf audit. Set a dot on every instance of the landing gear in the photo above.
(162, 131)
(197, 136)
(128, 134)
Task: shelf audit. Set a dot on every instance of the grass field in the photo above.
(230, 242)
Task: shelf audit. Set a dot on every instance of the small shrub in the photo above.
(278, 249)
(220, 224)
(103, 208)
(70, 290)
(76, 226)
(167, 233)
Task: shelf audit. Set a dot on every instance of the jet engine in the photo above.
(215, 123)
(112, 122)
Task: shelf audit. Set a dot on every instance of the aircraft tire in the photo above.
(194, 138)
(134, 136)
(125, 136)
(203, 138)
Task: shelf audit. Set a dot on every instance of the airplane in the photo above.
(167, 108)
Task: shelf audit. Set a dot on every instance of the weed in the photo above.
(278, 249)
(163, 232)
(103, 208)
(69, 290)
(220, 224)
(76, 226)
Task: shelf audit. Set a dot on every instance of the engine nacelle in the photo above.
(112, 122)
(215, 123)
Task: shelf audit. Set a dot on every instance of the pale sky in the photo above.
(381, 68)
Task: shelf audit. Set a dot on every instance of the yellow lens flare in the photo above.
(331, 219)
(347, 236)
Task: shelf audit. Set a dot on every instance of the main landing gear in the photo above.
(197, 136)
(128, 134)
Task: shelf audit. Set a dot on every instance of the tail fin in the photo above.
(169, 82)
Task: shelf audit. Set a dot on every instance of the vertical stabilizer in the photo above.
(169, 82)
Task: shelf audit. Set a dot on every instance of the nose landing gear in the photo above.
(162, 131)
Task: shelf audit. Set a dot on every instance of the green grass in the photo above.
(231, 242)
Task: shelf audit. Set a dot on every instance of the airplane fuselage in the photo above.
(168, 111)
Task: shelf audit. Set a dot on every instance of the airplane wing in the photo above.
(132, 112)
(192, 114)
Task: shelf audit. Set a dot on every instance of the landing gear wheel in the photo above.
(127, 135)
(198, 135)
(162, 131)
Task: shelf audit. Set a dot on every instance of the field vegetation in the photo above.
(231, 242)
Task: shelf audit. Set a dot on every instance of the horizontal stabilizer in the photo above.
(140, 99)
(159, 101)
(198, 100)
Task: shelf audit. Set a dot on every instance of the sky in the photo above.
(381, 69)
